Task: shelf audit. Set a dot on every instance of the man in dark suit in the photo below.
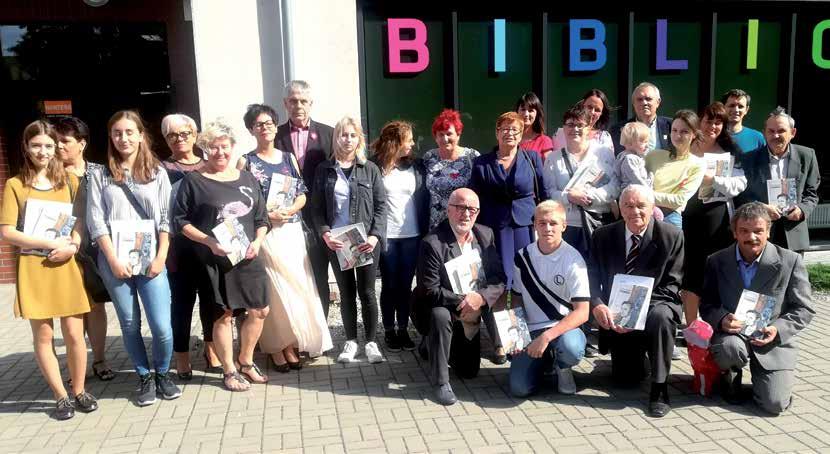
(770, 270)
(646, 100)
(780, 159)
(639, 245)
(450, 320)
(310, 142)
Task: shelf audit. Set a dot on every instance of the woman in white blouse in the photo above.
(588, 199)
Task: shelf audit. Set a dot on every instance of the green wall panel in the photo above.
(761, 83)
(566, 87)
(679, 89)
(417, 98)
(484, 94)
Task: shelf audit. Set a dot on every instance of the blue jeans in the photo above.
(155, 296)
(526, 372)
(397, 268)
(674, 219)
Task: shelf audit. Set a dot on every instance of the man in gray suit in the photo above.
(779, 159)
(753, 264)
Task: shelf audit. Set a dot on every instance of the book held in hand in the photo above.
(231, 235)
(47, 220)
(349, 256)
(781, 193)
(629, 301)
(754, 311)
(588, 174)
(513, 330)
(466, 272)
(719, 165)
(282, 192)
(135, 243)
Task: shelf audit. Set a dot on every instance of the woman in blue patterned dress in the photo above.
(449, 166)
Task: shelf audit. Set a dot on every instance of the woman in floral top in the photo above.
(296, 319)
(449, 166)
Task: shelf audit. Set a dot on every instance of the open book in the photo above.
(231, 235)
(466, 272)
(282, 192)
(135, 243)
(47, 220)
(781, 193)
(589, 173)
(719, 164)
(629, 301)
(754, 310)
(513, 330)
(352, 236)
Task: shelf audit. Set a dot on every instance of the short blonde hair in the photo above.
(550, 206)
(217, 129)
(632, 133)
(360, 152)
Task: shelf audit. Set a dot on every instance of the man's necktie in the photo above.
(632, 254)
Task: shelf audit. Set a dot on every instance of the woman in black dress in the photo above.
(221, 194)
(706, 217)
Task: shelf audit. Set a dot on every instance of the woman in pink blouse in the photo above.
(529, 107)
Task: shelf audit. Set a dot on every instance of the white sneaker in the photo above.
(565, 381)
(373, 353)
(348, 353)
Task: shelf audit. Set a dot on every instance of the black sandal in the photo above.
(242, 384)
(104, 373)
(255, 368)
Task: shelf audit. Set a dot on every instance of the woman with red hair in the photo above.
(449, 166)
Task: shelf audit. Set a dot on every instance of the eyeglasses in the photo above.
(472, 210)
(264, 124)
(575, 125)
(510, 131)
(174, 136)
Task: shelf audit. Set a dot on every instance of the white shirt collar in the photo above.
(786, 154)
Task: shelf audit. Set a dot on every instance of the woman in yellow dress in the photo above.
(49, 282)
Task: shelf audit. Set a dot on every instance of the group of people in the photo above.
(553, 219)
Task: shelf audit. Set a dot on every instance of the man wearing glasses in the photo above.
(310, 141)
(447, 316)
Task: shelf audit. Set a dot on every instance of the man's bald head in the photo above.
(462, 210)
(464, 195)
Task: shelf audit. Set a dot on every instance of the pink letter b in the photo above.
(418, 45)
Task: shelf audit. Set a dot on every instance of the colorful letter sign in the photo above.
(499, 45)
(577, 44)
(663, 62)
(752, 44)
(397, 45)
(818, 44)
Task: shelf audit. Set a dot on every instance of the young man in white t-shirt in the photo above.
(551, 282)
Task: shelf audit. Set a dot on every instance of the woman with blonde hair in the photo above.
(407, 221)
(133, 186)
(296, 318)
(220, 195)
(348, 189)
(50, 286)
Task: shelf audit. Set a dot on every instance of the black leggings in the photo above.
(183, 288)
(354, 282)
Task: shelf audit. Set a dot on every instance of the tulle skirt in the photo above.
(296, 315)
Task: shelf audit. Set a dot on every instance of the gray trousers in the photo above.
(448, 345)
(771, 389)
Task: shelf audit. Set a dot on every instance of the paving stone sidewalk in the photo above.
(332, 408)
